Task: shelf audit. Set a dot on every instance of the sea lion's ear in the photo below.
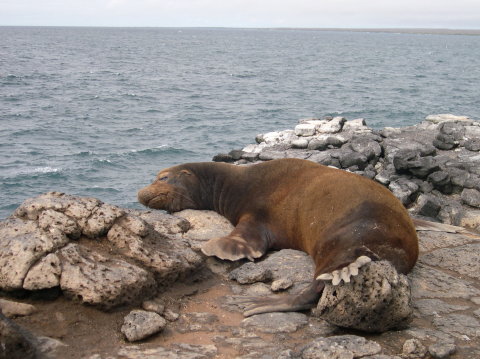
(186, 172)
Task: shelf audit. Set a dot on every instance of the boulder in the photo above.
(140, 324)
(376, 300)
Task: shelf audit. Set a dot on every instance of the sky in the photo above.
(458, 14)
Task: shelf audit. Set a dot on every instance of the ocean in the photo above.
(98, 111)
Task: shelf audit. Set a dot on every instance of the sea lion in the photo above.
(342, 220)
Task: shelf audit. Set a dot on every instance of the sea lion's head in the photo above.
(171, 191)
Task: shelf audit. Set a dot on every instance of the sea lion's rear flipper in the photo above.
(247, 240)
(423, 225)
(304, 300)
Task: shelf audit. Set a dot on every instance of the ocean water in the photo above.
(98, 111)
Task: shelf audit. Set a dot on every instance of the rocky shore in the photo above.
(80, 278)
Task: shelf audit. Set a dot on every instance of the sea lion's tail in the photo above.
(423, 225)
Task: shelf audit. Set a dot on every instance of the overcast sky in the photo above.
(459, 14)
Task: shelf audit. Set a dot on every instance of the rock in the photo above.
(413, 348)
(281, 284)
(22, 244)
(333, 126)
(441, 181)
(13, 309)
(50, 219)
(441, 350)
(473, 144)
(471, 197)
(428, 307)
(44, 274)
(432, 283)
(355, 125)
(305, 129)
(205, 225)
(98, 280)
(428, 206)
(49, 346)
(170, 315)
(462, 259)
(288, 322)
(404, 190)
(179, 351)
(340, 347)
(195, 322)
(223, 157)
(350, 158)
(271, 155)
(15, 342)
(101, 220)
(376, 300)
(459, 325)
(369, 148)
(140, 324)
(154, 305)
(448, 118)
(300, 143)
(251, 273)
(318, 143)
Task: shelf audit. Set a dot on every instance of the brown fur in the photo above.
(333, 215)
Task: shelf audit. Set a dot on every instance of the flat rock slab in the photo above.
(340, 347)
(464, 260)
(276, 322)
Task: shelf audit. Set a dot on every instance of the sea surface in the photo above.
(98, 111)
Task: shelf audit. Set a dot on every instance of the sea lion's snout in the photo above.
(153, 197)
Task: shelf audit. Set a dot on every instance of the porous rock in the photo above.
(442, 350)
(205, 225)
(413, 348)
(276, 322)
(251, 273)
(340, 347)
(98, 280)
(140, 324)
(26, 243)
(44, 274)
(404, 189)
(376, 300)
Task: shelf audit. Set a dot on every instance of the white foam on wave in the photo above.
(46, 169)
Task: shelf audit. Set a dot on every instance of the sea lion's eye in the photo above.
(163, 179)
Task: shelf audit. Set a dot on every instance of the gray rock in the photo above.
(251, 273)
(195, 322)
(271, 155)
(369, 148)
(178, 351)
(333, 126)
(441, 350)
(140, 324)
(350, 158)
(250, 156)
(428, 307)
(404, 190)
(376, 300)
(428, 206)
(305, 129)
(446, 117)
(288, 322)
(459, 325)
(463, 259)
(471, 197)
(13, 309)
(15, 342)
(340, 347)
(170, 315)
(355, 125)
(413, 348)
(432, 283)
(300, 143)
(441, 181)
(98, 280)
(473, 144)
(319, 144)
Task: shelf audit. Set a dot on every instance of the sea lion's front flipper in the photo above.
(247, 240)
(306, 299)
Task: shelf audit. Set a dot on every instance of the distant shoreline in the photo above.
(421, 31)
(397, 30)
